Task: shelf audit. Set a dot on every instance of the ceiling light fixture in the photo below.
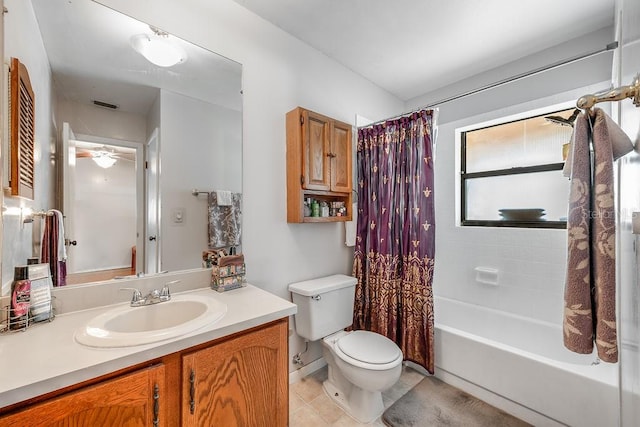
(158, 49)
(103, 158)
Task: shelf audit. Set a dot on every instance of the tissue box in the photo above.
(229, 276)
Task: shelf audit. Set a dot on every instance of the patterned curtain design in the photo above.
(395, 243)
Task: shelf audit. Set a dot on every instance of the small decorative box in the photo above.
(229, 273)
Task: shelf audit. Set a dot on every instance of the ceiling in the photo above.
(412, 47)
(91, 58)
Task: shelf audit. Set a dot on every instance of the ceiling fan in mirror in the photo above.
(104, 156)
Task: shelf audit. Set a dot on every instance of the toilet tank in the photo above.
(325, 305)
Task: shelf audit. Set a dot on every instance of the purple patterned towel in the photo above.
(590, 309)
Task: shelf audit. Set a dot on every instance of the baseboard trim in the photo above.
(307, 369)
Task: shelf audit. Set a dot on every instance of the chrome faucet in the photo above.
(153, 297)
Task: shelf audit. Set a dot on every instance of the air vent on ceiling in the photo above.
(105, 104)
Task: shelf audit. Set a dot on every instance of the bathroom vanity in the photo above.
(233, 372)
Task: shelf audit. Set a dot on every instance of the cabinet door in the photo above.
(341, 157)
(240, 382)
(315, 151)
(130, 400)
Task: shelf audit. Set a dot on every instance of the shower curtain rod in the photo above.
(610, 46)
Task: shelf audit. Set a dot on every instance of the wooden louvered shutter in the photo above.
(22, 126)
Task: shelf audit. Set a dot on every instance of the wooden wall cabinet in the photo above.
(319, 159)
(241, 380)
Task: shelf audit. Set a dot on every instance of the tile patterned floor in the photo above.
(309, 406)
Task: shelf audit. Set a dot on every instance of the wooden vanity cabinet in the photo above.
(134, 399)
(319, 159)
(240, 382)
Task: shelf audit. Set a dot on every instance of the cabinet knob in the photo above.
(332, 155)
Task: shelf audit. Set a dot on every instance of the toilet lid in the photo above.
(369, 347)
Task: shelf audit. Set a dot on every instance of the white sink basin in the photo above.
(126, 326)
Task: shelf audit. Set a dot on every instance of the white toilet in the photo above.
(361, 363)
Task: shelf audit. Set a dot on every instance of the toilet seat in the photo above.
(368, 350)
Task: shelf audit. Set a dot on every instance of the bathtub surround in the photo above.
(435, 403)
(395, 243)
(591, 277)
(519, 365)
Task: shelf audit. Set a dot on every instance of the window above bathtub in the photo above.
(511, 172)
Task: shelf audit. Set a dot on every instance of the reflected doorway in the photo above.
(103, 214)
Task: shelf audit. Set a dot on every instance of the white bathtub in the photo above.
(521, 366)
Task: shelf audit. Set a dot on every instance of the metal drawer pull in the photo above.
(156, 405)
(192, 392)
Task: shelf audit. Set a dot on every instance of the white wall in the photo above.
(94, 240)
(531, 262)
(279, 73)
(204, 159)
(20, 241)
(102, 122)
(153, 117)
(548, 83)
(104, 216)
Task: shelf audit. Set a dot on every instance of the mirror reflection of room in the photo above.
(108, 117)
(102, 190)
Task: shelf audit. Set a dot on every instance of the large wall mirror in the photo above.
(121, 142)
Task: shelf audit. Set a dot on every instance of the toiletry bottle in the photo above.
(20, 298)
(315, 208)
(324, 209)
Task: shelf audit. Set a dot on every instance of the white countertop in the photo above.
(45, 357)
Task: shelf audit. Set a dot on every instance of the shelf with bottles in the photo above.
(323, 206)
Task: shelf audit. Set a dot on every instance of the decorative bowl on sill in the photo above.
(531, 214)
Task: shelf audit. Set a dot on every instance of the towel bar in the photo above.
(617, 94)
(196, 192)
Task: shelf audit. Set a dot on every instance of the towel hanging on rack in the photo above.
(224, 198)
(53, 250)
(225, 224)
(589, 295)
(620, 142)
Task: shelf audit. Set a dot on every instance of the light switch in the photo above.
(178, 215)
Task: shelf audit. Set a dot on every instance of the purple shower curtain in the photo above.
(395, 242)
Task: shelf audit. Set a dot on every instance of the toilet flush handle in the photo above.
(316, 297)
